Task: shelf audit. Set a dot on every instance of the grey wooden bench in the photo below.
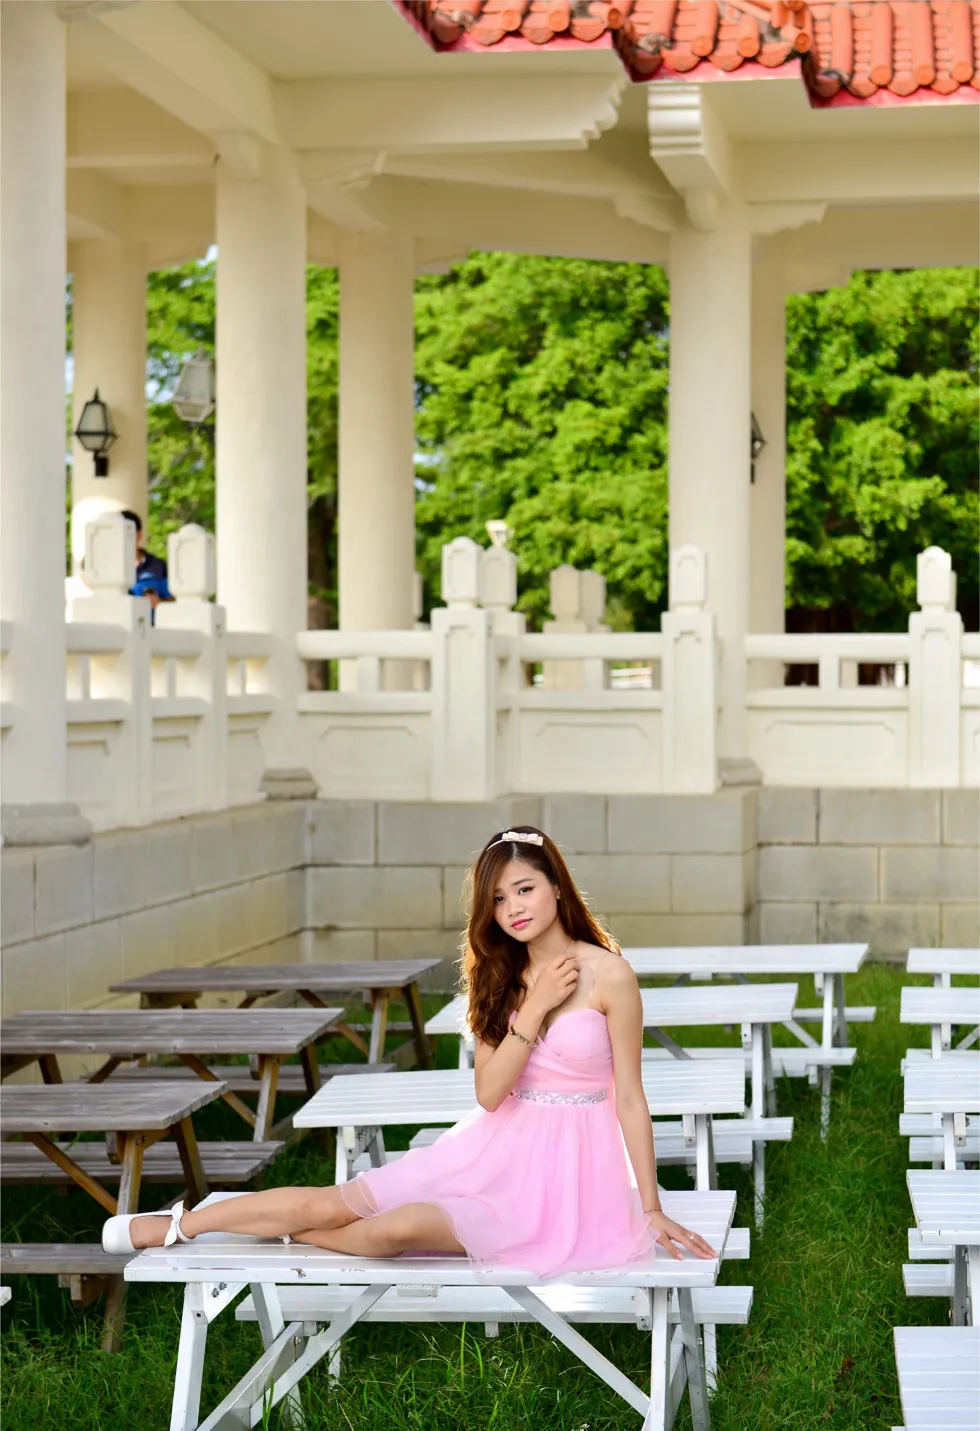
(225, 1164)
(82, 1267)
(243, 1078)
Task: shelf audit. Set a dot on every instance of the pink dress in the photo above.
(542, 1183)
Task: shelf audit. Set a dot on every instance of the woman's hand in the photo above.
(554, 984)
(667, 1232)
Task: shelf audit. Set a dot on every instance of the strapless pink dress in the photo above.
(542, 1183)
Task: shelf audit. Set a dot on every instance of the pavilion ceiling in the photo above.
(880, 51)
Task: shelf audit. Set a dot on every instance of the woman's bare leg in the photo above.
(271, 1213)
(416, 1227)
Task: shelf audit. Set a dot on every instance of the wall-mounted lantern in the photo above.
(756, 443)
(193, 398)
(96, 433)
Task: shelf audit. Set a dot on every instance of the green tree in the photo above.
(881, 444)
(541, 396)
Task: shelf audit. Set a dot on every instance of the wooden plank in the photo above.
(224, 1162)
(240, 1078)
(135, 1032)
(940, 1006)
(269, 978)
(110, 1107)
(943, 961)
(748, 959)
(943, 1085)
(62, 1258)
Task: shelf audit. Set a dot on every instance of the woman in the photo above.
(537, 1177)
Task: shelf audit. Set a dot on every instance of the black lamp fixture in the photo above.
(756, 443)
(96, 433)
(193, 398)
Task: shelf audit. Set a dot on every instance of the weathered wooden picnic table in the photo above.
(939, 1009)
(939, 1377)
(132, 1120)
(319, 984)
(827, 963)
(216, 1269)
(121, 1035)
(946, 1206)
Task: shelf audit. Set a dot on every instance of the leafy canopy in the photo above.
(541, 397)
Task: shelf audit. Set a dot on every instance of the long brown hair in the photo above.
(494, 961)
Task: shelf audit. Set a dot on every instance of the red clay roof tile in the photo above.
(865, 50)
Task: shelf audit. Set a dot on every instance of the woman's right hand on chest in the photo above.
(556, 983)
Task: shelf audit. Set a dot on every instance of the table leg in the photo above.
(706, 1171)
(697, 1387)
(311, 1069)
(826, 1041)
(758, 1112)
(185, 1412)
(960, 1273)
(342, 1163)
(190, 1161)
(414, 1002)
(127, 1202)
(973, 1282)
(770, 1076)
(268, 1087)
(341, 1027)
(272, 1324)
(656, 1417)
(50, 1072)
(379, 1025)
(842, 1030)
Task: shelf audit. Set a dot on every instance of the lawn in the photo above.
(817, 1353)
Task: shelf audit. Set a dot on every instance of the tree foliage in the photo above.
(541, 398)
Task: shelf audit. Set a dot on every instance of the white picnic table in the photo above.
(939, 1377)
(943, 963)
(216, 1268)
(939, 1094)
(939, 1009)
(946, 1206)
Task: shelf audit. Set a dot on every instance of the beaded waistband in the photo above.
(547, 1095)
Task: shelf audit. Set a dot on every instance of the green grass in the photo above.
(816, 1354)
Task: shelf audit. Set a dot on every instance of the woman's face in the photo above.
(525, 901)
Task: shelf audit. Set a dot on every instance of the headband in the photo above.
(518, 837)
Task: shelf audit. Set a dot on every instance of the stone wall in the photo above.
(374, 880)
(898, 868)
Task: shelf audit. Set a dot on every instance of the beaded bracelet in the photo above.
(530, 1042)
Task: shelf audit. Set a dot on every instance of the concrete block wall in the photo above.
(73, 920)
(898, 868)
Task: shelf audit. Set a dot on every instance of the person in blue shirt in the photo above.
(151, 571)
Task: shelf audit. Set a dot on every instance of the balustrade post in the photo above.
(464, 697)
(191, 568)
(935, 674)
(565, 586)
(498, 594)
(689, 678)
(110, 567)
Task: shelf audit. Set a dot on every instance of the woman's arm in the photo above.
(619, 998)
(498, 1069)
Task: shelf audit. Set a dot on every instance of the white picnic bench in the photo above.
(827, 963)
(939, 1096)
(942, 964)
(946, 1206)
(939, 1377)
(216, 1268)
(939, 1009)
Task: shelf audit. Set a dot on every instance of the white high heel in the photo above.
(115, 1232)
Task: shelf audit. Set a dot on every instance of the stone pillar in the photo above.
(32, 419)
(261, 421)
(109, 348)
(767, 581)
(709, 416)
(376, 498)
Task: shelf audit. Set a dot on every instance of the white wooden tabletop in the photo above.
(939, 1377)
(943, 1085)
(444, 1095)
(270, 978)
(662, 1008)
(940, 1006)
(750, 959)
(726, 1004)
(102, 1107)
(943, 961)
(946, 1205)
(220, 1257)
(159, 1031)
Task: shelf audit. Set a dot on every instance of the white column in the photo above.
(261, 421)
(109, 349)
(32, 382)
(709, 415)
(376, 499)
(767, 583)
